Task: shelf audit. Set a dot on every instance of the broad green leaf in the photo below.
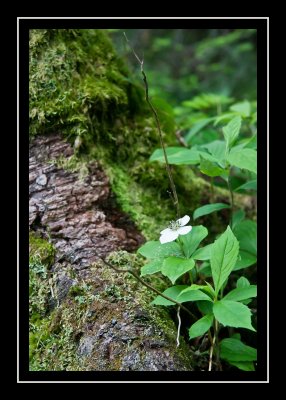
(224, 117)
(242, 108)
(246, 233)
(202, 254)
(208, 209)
(233, 313)
(154, 249)
(207, 288)
(171, 292)
(231, 131)
(210, 168)
(251, 185)
(217, 149)
(192, 240)
(224, 254)
(242, 293)
(177, 156)
(237, 217)
(174, 267)
(192, 295)
(201, 326)
(242, 282)
(196, 128)
(244, 260)
(152, 267)
(252, 142)
(205, 307)
(243, 365)
(234, 350)
(244, 159)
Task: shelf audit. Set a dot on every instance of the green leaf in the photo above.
(152, 267)
(192, 295)
(244, 159)
(171, 292)
(251, 185)
(246, 233)
(176, 156)
(202, 254)
(242, 293)
(201, 326)
(237, 217)
(217, 149)
(196, 128)
(174, 267)
(210, 168)
(231, 131)
(242, 282)
(233, 313)
(205, 307)
(192, 240)
(234, 350)
(224, 254)
(243, 365)
(242, 108)
(154, 249)
(208, 209)
(245, 260)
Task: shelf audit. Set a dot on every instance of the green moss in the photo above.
(40, 250)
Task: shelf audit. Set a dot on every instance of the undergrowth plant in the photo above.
(201, 277)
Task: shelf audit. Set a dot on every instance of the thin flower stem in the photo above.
(231, 198)
(168, 168)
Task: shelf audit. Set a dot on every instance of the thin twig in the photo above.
(211, 353)
(168, 168)
(179, 326)
(180, 138)
(147, 285)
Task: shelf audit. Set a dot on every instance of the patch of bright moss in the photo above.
(40, 250)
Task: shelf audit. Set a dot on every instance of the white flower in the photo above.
(175, 229)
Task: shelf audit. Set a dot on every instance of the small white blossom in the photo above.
(175, 229)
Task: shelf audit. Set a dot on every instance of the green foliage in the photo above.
(201, 326)
(208, 209)
(244, 159)
(233, 313)
(192, 240)
(224, 254)
(174, 267)
(238, 354)
(231, 131)
(171, 292)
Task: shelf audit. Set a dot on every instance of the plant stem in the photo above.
(214, 343)
(231, 198)
(168, 168)
(212, 189)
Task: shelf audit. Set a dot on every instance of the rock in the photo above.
(42, 180)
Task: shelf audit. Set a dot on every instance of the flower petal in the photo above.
(164, 231)
(183, 221)
(168, 236)
(184, 230)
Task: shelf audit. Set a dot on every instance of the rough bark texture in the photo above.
(109, 321)
(74, 210)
